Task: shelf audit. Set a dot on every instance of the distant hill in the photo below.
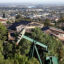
(28, 5)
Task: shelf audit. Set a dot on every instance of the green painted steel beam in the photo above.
(36, 42)
(38, 55)
(54, 59)
(33, 51)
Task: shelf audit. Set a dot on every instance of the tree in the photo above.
(32, 61)
(18, 54)
(18, 16)
(61, 20)
(3, 36)
(55, 46)
(3, 15)
(60, 23)
(22, 59)
(3, 32)
(24, 46)
(47, 22)
(12, 54)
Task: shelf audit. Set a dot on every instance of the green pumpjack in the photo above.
(35, 44)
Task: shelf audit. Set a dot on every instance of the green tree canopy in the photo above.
(47, 22)
(3, 32)
(55, 46)
(3, 37)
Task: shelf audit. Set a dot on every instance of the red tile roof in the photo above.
(3, 20)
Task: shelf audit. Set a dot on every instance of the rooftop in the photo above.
(14, 25)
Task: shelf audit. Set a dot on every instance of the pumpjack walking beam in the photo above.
(34, 48)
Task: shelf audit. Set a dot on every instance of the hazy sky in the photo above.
(31, 1)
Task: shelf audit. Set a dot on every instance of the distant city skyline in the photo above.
(34, 1)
